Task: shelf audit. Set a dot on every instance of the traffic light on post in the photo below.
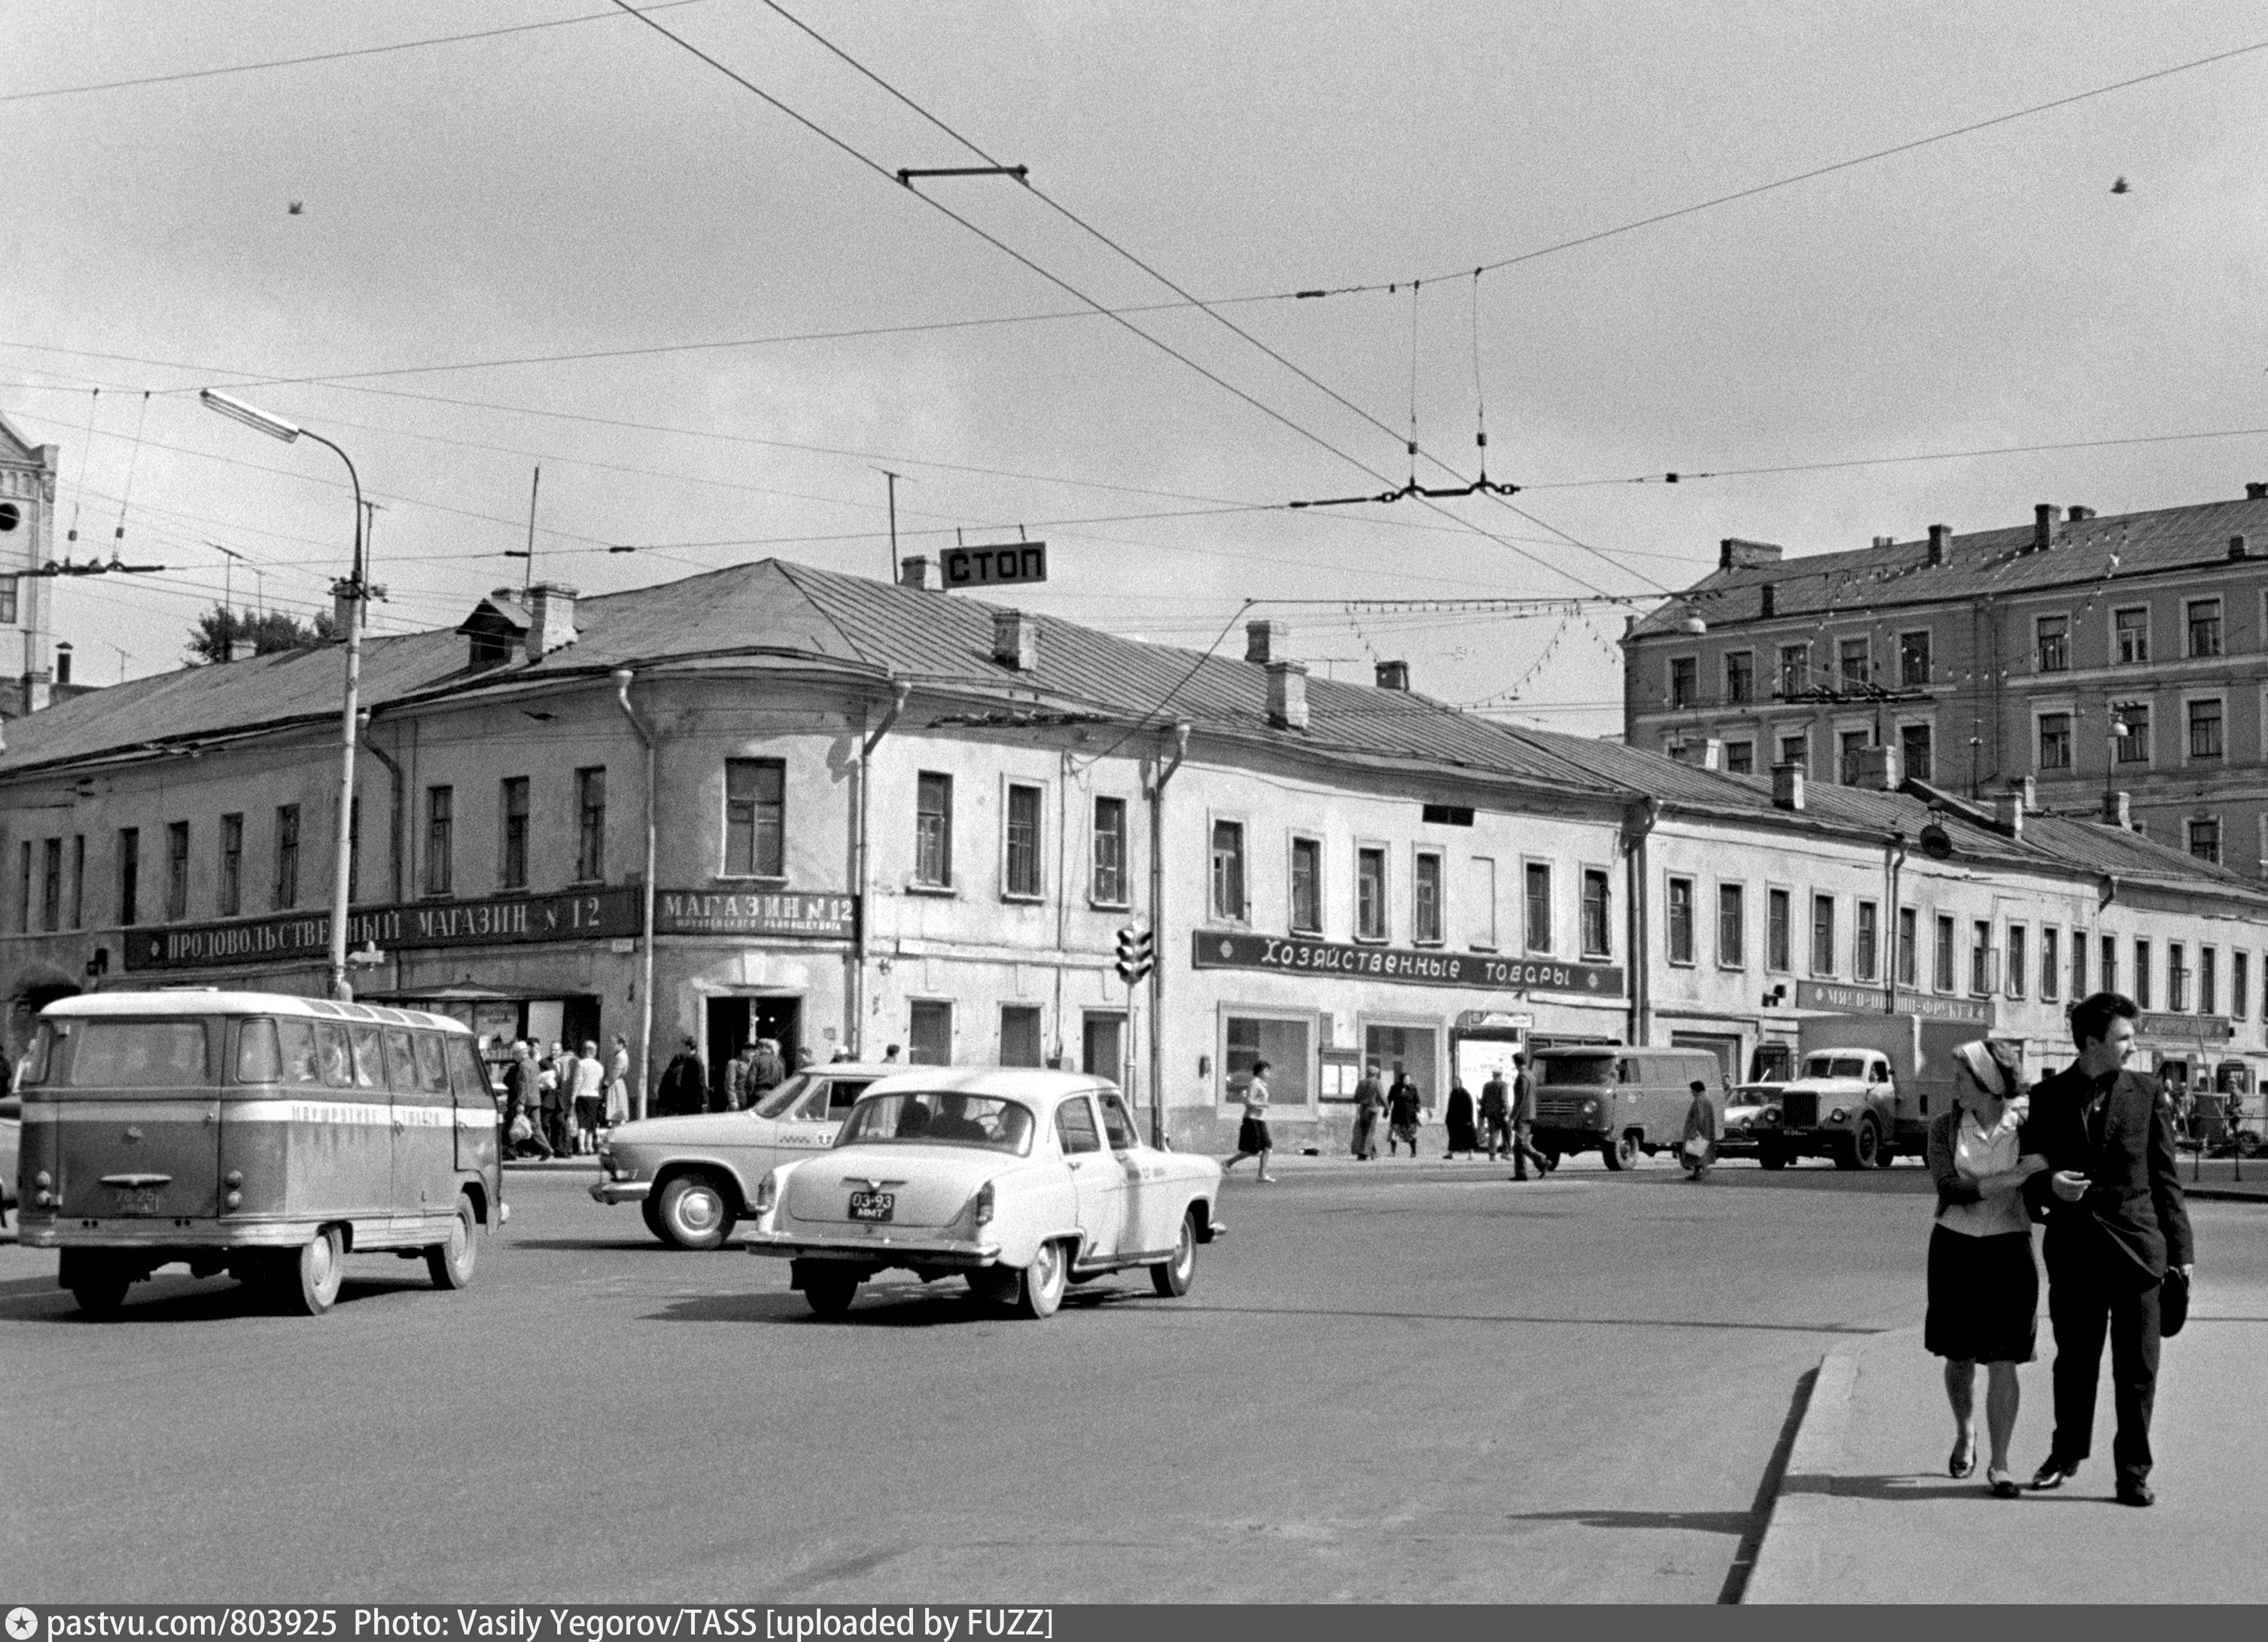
(1138, 955)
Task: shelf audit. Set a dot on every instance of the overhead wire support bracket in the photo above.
(1482, 486)
(907, 173)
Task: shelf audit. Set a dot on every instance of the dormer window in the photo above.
(489, 651)
(496, 630)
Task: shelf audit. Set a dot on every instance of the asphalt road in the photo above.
(1389, 1383)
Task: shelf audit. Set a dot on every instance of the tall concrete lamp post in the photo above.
(351, 591)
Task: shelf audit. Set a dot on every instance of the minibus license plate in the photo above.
(873, 1205)
(144, 1202)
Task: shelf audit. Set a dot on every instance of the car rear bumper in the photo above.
(956, 1253)
(620, 1190)
(167, 1233)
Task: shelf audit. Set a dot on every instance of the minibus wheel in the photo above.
(451, 1264)
(308, 1277)
(1623, 1153)
(99, 1288)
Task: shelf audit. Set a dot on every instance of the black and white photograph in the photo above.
(842, 818)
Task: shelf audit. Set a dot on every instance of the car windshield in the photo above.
(776, 1103)
(921, 1117)
(1583, 1071)
(1834, 1066)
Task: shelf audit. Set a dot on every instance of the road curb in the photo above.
(2222, 1194)
(1787, 1567)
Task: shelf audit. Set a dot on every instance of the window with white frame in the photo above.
(1913, 658)
(1482, 902)
(1020, 875)
(1732, 926)
(2055, 740)
(2019, 958)
(1227, 877)
(2204, 838)
(1866, 943)
(2050, 962)
(1680, 910)
(1370, 917)
(2051, 642)
(1307, 886)
(1536, 904)
(1425, 911)
(1109, 883)
(2129, 636)
(1598, 925)
(1822, 935)
(2205, 716)
(2204, 627)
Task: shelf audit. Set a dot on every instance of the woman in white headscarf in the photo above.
(1984, 1289)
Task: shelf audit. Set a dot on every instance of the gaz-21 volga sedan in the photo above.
(1021, 1181)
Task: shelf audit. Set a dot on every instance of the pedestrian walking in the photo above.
(1369, 1102)
(2116, 1228)
(1457, 1119)
(1402, 1102)
(770, 1071)
(589, 1086)
(618, 1082)
(528, 1070)
(1984, 1289)
(1253, 1139)
(1495, 1115)
(684, 1085)
(1697, 1148)
(558, 1081)
(1523, 1122)
(739, 1088)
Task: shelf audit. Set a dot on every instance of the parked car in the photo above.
(1751, 1124)
(1021, 1181)
(693, 1176)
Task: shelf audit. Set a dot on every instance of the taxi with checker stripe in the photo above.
(261, 1135)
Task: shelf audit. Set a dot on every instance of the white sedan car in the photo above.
(693, 1176)
(1021, 1181)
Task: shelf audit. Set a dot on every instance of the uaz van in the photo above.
(253, 1133)
(1617, 1100)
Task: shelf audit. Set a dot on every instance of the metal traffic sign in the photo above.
(995, 567)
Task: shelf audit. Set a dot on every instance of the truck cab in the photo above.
(1843, 1103)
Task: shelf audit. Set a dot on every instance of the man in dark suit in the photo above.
(2116, 1223)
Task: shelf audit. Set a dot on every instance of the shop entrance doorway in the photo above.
(1102, 1047)
(736, 1022)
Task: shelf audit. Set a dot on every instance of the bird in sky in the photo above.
(2119, 186)
(296, 209)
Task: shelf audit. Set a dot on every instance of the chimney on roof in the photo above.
(2008, 813)
(551, 618)
(1877, 770)
(1266, 641)
(1713, 754)
(2238, 547)
(1766, 593)
(1787, 786)
(62, 662)
(2079, 515)
(2119, 811)
(239, 650)
(1940, 536)
(914, 572)
(1393, 676)
(2256, 492)
(1886, 541)
(2044, 519)
(1287, 695)
(1734, 554)
(1015, 640)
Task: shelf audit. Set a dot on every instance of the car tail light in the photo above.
(980, 1207)
(767, 1194)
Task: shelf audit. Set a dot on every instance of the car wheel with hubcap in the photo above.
(307, 1278)
(1623, 1153)
(693, 1211)
(1171, 1278)
(1041, 1290)
(451, 1262)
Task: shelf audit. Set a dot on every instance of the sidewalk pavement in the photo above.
(2224, 1179)
(1867, 1514)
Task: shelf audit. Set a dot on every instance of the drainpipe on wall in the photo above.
(854, 1028)
(1635, 831)
(1894, 857)
(395, 810)
(1158, 934)
(647, 740)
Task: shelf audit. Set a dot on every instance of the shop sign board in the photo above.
(2187, 1028)
(1478, 970)
(770, 912)
(1873, 1000)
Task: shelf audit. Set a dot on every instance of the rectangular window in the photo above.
(284, 891)
(2020, 958)
(2050, 963)
(1917, 752)
(2053, 638)
(1307, 886)
(231, 865)
(2208, 980)
(129, 875)
(590, 824)
(1110, 880)
(1732, 927)
(1796, 749)
(2109, 981)
(2055, 740)
(2205, 728)
(1913, 658)
(1681, 920)
(1539, 907)
(1286, 1045)
(2240, 979)
(2130, 635)
(2204, 838)
(177, 871)
(1019, 1036)
(1980, 958)
(1794, 669)
(1598, 932)
(2204, 627)
(1823, 934)
(1865, 947)
(1740, 758)
(1482, 902)
(1854, 661)
(933, 831)
(79, 881)
(2142, 975)
(929, 1032)
(23, 891)
(51, 886)
(512, 855)
(2132, 733)
(1942, 968)
(1779, 936)
(1020, 874)
(1228, 871)
(8, 601)
(1683, 674)
(1740, 677)
(440, 840)
(755, 818)
(1909, 942)
(2177, 977)
(1854, 743)
(1370, 894)
(1426, 904)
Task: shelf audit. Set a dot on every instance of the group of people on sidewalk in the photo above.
(2089, 1150)
(555, 1104)
(1507, 1115)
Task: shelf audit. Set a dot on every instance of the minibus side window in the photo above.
(300, 1062)
(471, 1077)
(34, 1063)
(401, 1066)
(433, 1071)
(258, 1057)
(338, 1066)
(369, 1065)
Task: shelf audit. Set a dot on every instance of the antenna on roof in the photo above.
(528, 581)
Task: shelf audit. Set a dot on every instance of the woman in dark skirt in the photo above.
(1984, 1289)
(1458, 1120)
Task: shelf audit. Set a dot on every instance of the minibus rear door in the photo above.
(138, 1135)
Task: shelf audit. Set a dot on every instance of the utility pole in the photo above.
(892, 479)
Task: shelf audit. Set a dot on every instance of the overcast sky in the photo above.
(593, 188)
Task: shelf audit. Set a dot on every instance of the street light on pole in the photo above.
(352, 592)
